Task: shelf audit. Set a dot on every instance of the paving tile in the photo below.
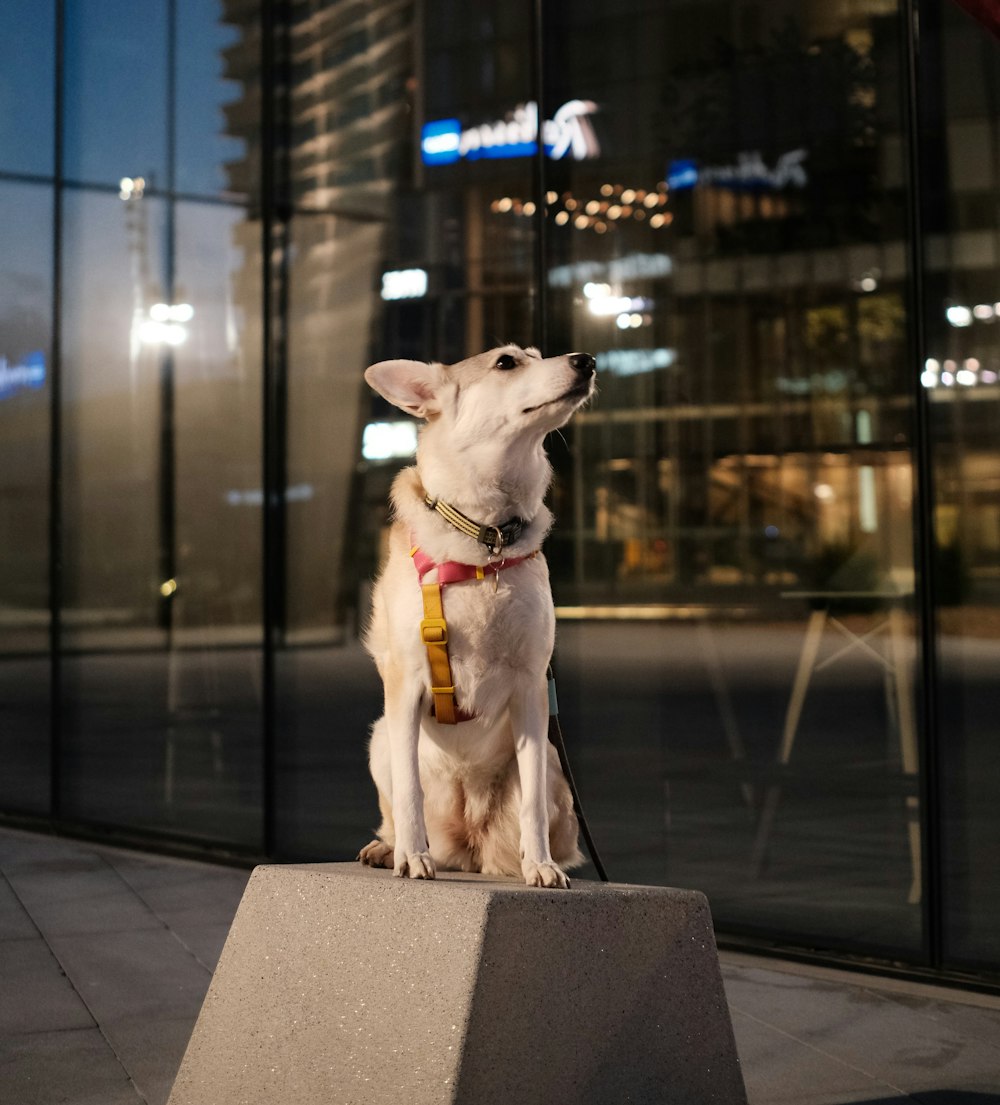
(76, 893)
(778, 1070)
(210, 893)
(36, 996)
(151, 1050)
(63, 1068)
(897, 1046)
(145, 973)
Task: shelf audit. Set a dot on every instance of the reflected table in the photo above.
(890, 623)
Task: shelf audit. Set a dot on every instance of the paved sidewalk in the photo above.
(105, 957)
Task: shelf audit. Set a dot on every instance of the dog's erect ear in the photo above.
(410, 385)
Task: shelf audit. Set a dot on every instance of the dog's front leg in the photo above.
(412, 857)
(529, 715)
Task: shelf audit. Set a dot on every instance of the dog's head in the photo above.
(501, 396)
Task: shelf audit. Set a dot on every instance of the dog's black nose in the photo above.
(583, 363)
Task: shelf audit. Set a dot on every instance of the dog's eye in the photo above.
(506, 363)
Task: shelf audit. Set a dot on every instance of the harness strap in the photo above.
(434, 633)
(434, 629)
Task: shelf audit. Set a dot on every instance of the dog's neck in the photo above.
(493, 503)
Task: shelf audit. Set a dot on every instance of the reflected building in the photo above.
(778, 540)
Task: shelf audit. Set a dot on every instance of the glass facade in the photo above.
(777, 549)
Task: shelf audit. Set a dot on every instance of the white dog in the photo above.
(465, 773)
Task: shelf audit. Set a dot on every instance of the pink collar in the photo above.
(452, 572)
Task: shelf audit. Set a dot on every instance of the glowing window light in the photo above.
(959, 316)
(389, 440)
(404, 284)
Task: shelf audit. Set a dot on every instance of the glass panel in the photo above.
(25, 365)
(961, 379)
(390, 257)
(116, 91)
(218, 97)
(27, 85)
(161, 492)
(733, 560)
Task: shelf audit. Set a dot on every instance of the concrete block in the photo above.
(342, 984)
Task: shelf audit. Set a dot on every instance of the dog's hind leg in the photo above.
(379, 852)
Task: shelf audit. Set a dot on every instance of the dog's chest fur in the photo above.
(500, 629)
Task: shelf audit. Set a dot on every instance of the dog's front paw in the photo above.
(544, 874)
(414, 865)
(376, 854)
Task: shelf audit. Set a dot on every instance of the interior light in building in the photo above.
(965, 377)
(982, 311)
(931, 365)
(581, 222)
(596, 291)
(987, 376)
(622, 322)
(959, 316)
(867, 500)
(631, 362)
(606, 190)
(404, 284)
(592, 207)
(168, 587)
(928, 378)
(388, 440)
(651, 200)
(604, 306)
(657, 220)
(131, 188)
(505, 204)
(628, 195)
(171, 312)
(551, 197)
(154, 332)
(947, 379)
(600, 227)
(972, 364)
(528, 208)
(867, 283)
(562, 218)
(824, 492)
(772, 532)
(950, 366)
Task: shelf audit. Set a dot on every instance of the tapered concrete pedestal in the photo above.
(341, 984)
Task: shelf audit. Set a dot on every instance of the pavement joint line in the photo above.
(873, 1078)
(76, 990)
(166, 924)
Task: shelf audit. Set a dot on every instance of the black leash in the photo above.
(556, 736)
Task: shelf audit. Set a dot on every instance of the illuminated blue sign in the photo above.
(30, 374)
(569, 133)
(749, 173)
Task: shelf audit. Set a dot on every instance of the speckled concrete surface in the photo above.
(342, 984)
(106, 956)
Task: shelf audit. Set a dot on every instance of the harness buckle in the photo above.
(434, 631)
